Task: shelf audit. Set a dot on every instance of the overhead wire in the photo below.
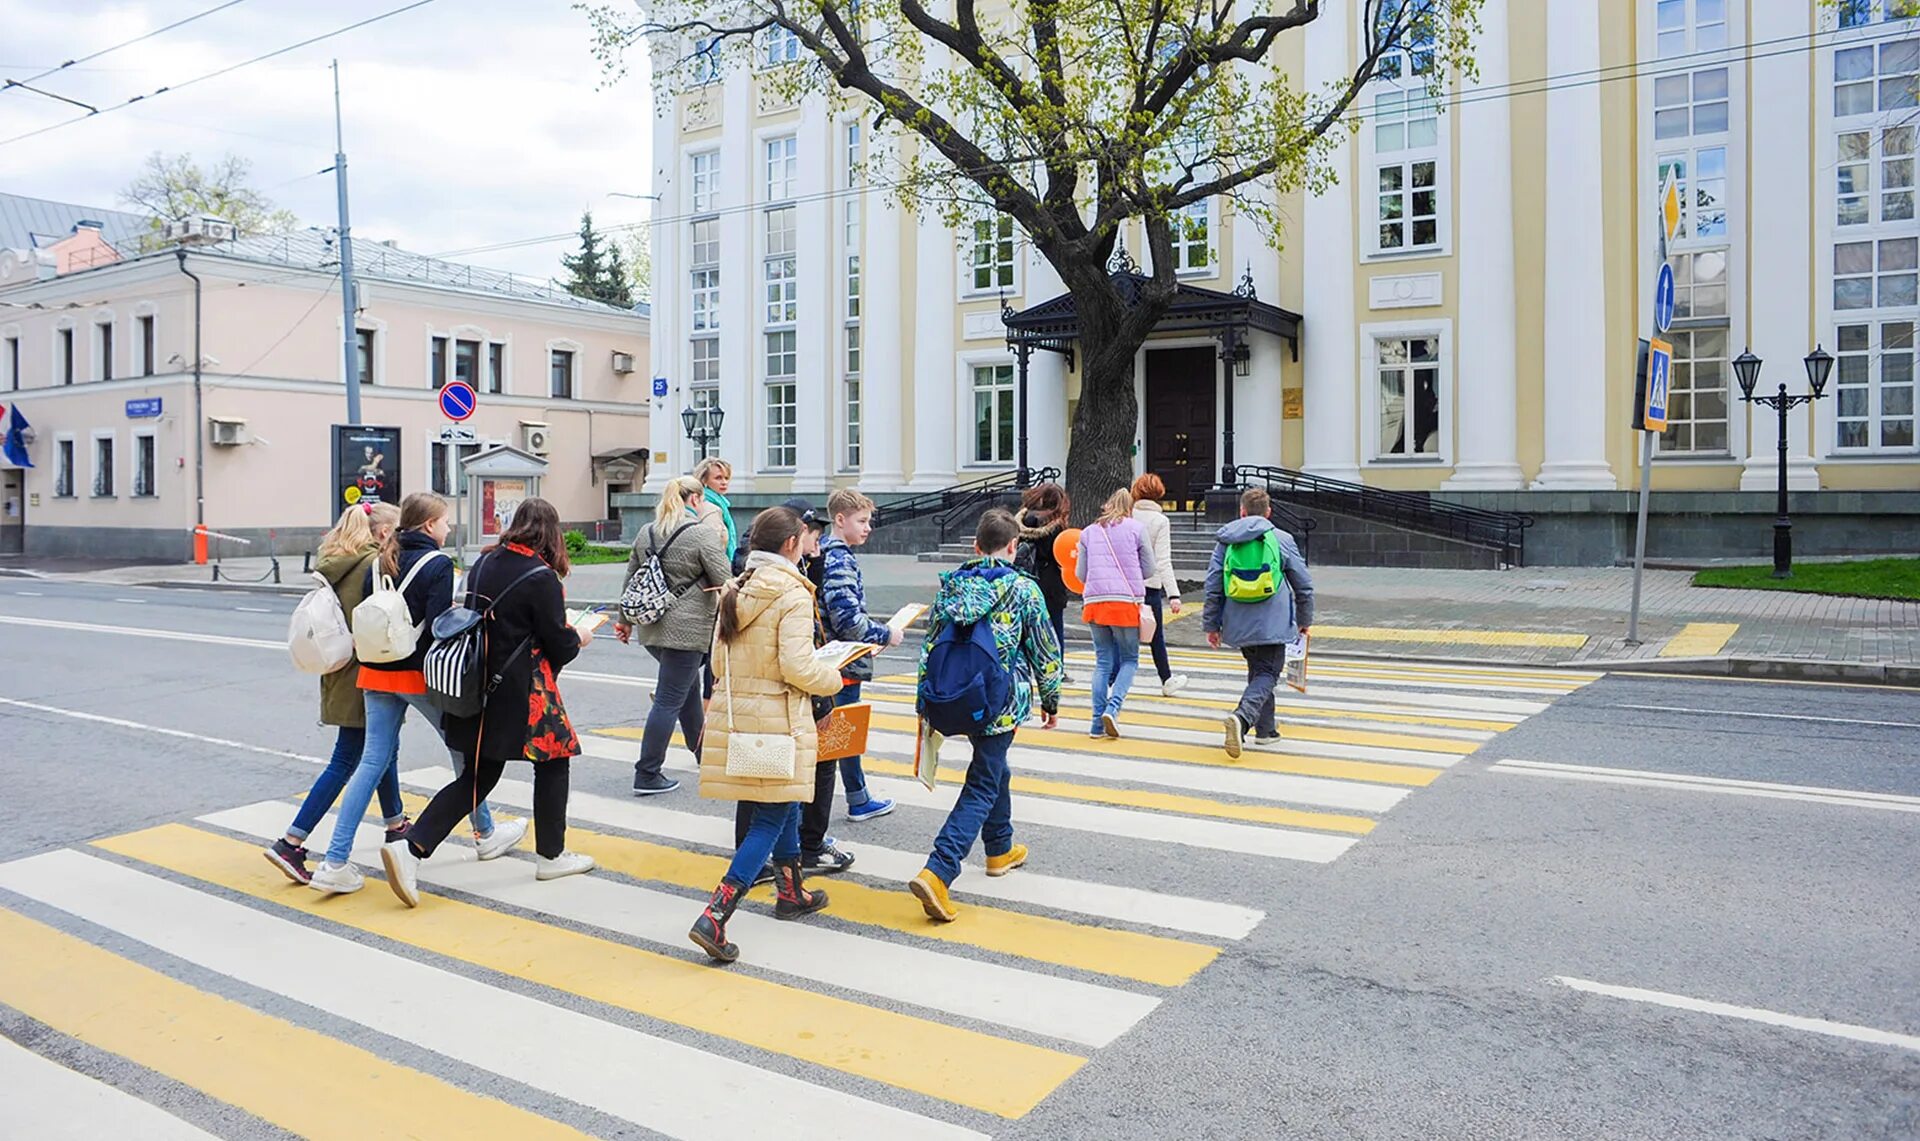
(122, 44)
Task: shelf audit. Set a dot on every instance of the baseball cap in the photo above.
(800, 506)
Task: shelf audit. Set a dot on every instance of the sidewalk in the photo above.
(1531, 616)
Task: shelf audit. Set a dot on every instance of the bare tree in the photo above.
(171, 187)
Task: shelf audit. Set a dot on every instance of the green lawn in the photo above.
(1873, 578)
(594, 556)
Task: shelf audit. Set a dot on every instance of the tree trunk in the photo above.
(1106, 423)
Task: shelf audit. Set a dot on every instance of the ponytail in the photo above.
(771, 530)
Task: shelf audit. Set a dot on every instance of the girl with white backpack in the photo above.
(406, 588)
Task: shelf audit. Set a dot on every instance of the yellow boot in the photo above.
(931, 891)
(1002, 864)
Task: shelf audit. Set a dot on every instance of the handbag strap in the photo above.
(422, 561)
(1111, 553)
(726, 653)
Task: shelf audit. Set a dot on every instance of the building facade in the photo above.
(99, 359)
(1470, 294)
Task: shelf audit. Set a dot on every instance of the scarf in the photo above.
(726, 516)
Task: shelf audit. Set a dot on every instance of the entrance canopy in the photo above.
(1054, 325)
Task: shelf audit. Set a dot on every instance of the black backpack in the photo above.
(458, 684)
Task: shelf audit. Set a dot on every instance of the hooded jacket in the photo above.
(340, 701)
(843, 603)
(762, 682)
(1022, 632)
(696, 566)
(1035, 556)
(1274, 622)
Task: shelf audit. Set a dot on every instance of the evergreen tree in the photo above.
(597, 272)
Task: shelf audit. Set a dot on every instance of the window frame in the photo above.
(149, 487)
(572, 354)
(971, 244)
(972, 365)
(786, 187)
(1876, 356)
(1183, 245)
(780, 269)
(1691, 332)
(64, 348)
(778, 47)
(703, 185)
(1372, 161)
(780, 454)
(1371, 336)
(100, 345)
(110, 468)
(146, 342)
(66, 466)
(438, 346)
(10, 349)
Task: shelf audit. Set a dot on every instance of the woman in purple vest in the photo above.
(1115, 563)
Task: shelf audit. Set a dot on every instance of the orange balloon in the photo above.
(1066, 552)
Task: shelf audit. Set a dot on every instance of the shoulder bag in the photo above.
(766, 756)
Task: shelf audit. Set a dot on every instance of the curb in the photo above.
(19, 572)
(1776, 669)
(241, 587)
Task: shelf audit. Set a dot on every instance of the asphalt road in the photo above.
(1692, 841)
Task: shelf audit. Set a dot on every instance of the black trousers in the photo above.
(451, 804)
(813, 815)
(1264, 667)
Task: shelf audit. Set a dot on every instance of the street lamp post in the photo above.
(1746, 367)
(702, 425)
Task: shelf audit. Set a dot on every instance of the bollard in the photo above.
(200, 545)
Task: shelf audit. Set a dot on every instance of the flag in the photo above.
(14, 447)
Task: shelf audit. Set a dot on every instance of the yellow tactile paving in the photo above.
(1700, 639)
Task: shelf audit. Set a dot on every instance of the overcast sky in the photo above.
(468, 122)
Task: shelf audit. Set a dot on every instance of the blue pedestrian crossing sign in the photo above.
(1663, 299)
(1659, 381)
(457, 400)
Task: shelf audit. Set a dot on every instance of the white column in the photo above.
(818, 334)
(1576, 295)
(1485, 383)
(934, 430)
(882, 371)
(667, 348)
(1258, 418)
(1782, 300)
(742, 347)
(1328, 330)
(1046, 375)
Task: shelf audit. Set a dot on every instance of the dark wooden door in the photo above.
(1179, 418)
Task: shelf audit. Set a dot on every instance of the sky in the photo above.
(468, 122)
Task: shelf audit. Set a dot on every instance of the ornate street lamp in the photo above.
(1746, 369)
(702, 425)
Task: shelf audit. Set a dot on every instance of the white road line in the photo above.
(1771, 716)
(1746, 1013)
(1074, 1011)
(136, 632)
(29, 594)
(254, 610)
(67, 1106)
(687, 1092)
(122, 723)
(902, 704)
(1105, 901)
(132, 601)
(1641, 778)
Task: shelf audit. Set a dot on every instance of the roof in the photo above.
(29, 223)
(1055, 323)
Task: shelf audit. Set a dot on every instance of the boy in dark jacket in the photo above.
(843, 611)
(1260, 629)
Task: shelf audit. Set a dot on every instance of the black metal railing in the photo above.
(1286, 518)
(1503, 531)
(949, 504)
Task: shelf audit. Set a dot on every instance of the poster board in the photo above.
(365, 467)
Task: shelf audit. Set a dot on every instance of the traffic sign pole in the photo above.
(1659, 380)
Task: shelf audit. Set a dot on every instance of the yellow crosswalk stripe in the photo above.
(1413, 672)
(303, 1081)
(1154, 959)
(962, 1066)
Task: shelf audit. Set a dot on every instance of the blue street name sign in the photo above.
(659, 386)
(1659, 380)
(1663, 299)
(143, 409)
(457, 400)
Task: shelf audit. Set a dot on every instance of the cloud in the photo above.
(468, 122)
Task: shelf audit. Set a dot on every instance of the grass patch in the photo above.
(1872, 578)
(595, 556)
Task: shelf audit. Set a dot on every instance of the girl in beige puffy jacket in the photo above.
(765, 670)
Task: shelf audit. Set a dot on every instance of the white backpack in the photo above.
(383, 626)
(318, 639)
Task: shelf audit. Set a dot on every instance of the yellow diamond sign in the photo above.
(1670, 208)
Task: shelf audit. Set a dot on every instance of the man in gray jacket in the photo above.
(1260, 628)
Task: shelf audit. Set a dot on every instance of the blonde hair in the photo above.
(383, 519)
(351, 535)
(705, 468)
(673, 500)
(416, 511)
(1118, 506)
(847, 501)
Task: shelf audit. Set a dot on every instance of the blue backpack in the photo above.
(965, 688)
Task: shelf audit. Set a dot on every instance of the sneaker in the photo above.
(342, 880)
(829, 859)
(1234, 731)
(1002, 864)
(931, 891)
(878, 806)
(1265, 744)
(1173, 685)
(291, 859)
(403, 871)
(505, 834)
(1109, 727)
(653, 784)
(1067, 678)
(768, 873)
(564, 864)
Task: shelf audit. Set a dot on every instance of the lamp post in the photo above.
(1746, 367)
(702, 425)
(1237, 355)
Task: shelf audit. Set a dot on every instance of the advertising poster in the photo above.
(366, 466)
(499, 499)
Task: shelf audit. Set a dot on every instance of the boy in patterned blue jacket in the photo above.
(843, 611)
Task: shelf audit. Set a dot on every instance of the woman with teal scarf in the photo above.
(715, 476)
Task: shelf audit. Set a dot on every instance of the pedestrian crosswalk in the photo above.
(577, 1007)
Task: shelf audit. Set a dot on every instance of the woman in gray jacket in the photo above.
(694, 559)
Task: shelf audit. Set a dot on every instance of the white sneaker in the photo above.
(1234, 731)
(506, 833)
(1173, 685)
(564, 864)
(342, 880)
(403, 871)
(1264, 744)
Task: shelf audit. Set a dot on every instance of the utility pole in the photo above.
(349, 325)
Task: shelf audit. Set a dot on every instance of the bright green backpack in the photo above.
(1253, 569)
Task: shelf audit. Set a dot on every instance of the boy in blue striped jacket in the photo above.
(843, 611)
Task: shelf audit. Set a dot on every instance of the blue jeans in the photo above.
(1116, 655)
(984, 809)
(676, 698)
(386, 712)
(347, 748)
(775, 832)
(852, 775)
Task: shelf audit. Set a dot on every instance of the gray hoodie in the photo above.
(1274, 622)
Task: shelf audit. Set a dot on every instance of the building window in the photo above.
(496, 368)
(706, 60)
(1873, 386)
(466, 363)
(446, 463)
(1876, 275)
(853, 421)
(705, 182)
(103, 350)
(778, 45)
(363, 355)
(63, 469)
(1876, 77)
(1193, 238)
(782, 167)
(13, 363)
(704, 279)
(992, 258)
(1684, 27)
(1699, 284)
(143, 466)
(783, 434)
(780, 269)
(706, 361)
(145, 344)
(1414, 57)
(853, 350)
(560, 374)
(1874, 186)
(63, 354)
(1408, 373)
(1701, 180)
(1697, 396)
(103, 466)
(993, 414)
(1690, 104)
(1409, 205)
(437, 366)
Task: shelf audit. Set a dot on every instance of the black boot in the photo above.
(709, 932)
(792, 899)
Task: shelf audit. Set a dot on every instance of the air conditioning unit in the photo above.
(623, 363)
(533, 437)
(227, 432)
(201, 231)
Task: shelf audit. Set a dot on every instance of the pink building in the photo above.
(97, 348)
